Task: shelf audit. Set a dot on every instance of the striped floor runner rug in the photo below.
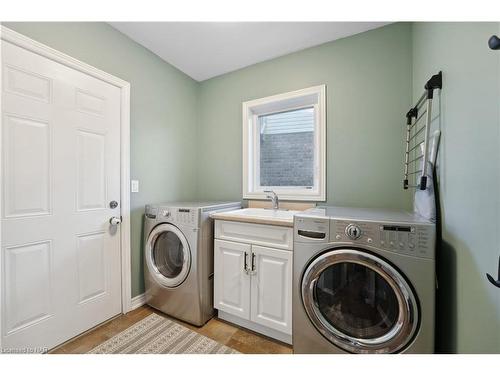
(156, 334)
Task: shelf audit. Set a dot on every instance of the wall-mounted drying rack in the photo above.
(417, 136)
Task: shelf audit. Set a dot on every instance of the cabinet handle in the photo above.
(253, 262)
(245, 265)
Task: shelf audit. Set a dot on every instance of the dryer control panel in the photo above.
(410, 239)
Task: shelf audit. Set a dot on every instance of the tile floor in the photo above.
(235, 337)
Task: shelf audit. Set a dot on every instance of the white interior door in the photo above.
(60, 170)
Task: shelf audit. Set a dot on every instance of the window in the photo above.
(284, 145)
(284, 136)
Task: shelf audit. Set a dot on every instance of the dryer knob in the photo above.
(165, 213)
(353, 231)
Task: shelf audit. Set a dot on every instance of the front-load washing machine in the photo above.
(363, 281)
(178, 258)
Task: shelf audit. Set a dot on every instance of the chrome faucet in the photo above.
(274, 198)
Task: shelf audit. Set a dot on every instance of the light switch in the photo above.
(135, 186)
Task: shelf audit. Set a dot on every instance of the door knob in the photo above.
(115, 220)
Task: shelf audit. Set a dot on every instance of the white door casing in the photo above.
(231, 282)
(65, 128)
(271, 288)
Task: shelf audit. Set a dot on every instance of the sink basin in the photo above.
(258, 215)
(265, 213)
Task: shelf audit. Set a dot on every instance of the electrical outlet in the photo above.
(134, 186)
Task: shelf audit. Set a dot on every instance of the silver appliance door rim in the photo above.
(153, 270)
(396, 338)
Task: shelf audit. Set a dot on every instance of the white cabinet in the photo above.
(271, 288)
(231, 283)
(253, 283)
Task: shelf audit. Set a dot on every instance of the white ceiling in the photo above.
(204, 50)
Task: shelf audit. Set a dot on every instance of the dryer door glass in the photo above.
(359, 302)
(167, 255)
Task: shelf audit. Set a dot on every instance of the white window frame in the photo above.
(309, 97)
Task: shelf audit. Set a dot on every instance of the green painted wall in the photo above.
(368, 78)
(371, 79)
(163, 114)
(469, 179)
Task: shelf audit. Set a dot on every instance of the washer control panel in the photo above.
(175, 215)
(353, 231)
(186, 216)
(311, 229)
(409, 239)
(151, 212)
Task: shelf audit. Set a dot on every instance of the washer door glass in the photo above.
(167, 255)
(356, 300)
(359, 302)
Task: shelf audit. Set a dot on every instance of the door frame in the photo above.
(31, 45)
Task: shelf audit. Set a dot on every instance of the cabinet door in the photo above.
(271, 289)
(231, 282)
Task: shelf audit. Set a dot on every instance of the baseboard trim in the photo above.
(137, 301)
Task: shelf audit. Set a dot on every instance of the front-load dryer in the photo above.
(178, 258)
(363, 282)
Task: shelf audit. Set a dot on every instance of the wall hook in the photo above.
(494, 42)
(491, 279)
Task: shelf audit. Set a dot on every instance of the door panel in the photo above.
(271, 288)
(91, 266)
(231, 282)
(61, 168)
(91, 161)
(26, 152)
(89, 103)
(27, 284)
(29, 84)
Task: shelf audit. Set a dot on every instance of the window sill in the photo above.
(319, 197)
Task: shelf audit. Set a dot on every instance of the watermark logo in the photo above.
(26, 350)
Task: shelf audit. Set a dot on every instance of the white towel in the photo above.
(424, 202)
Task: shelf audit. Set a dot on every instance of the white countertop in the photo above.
(258, 216)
